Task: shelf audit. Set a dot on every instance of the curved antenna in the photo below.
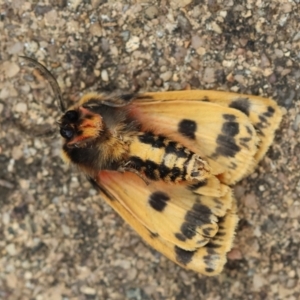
(51, 80)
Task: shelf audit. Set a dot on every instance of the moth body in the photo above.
(102, 137)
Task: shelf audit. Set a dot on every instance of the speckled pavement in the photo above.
(58, 239)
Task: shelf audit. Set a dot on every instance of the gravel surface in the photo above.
(58, 239)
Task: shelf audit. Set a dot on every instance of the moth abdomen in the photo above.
(161, 158)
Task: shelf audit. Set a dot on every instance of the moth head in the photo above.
(80, 127)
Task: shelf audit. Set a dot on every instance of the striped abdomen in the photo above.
(160, 158)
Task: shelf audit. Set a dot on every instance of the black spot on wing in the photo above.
(199, 214)
(198, 185)
(180, 237)
(230, 128)
(229, 117)
(249, 130)
(158, 200)
(187, 128)
(226, 143)
(241, 104)
(188, 230)
(226, 147)
(183, 256)
(263, 119)
(270, 112)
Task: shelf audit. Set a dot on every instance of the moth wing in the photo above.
(231, 131)
(193, 226)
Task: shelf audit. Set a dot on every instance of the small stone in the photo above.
(175, 4)
(250, 201)
(235, 254)
(11, 249)
(265, 62)
(166, 76)
(24, 184)
(11, 280)
(1, 108)
(216, 28)
(258, 282)
(292, 273)
(32, 46)
(151, 12)
(124, 264)
(87, 290)
(96, 29)
(132, 273)
(6, 218)
(125, 35)
(28, 275)
(132, 44)
(10, 69)
(286, 7)
(17, 152)
(51, 17)
(15, 48)
(73, 4)
(104, 75)
(209, 75)
(72, 26)
(21, 107)
(197, 42)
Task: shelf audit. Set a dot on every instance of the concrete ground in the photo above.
(58, 239)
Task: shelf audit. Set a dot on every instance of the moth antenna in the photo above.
(51, 79)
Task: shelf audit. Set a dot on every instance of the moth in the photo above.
(166, 161)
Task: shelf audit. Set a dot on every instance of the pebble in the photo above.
(31, 46)
(5, 218)
(250, 201)
(1, 108)
(87, 290)
(151, 12)
(296, 124)
(175, 4)
(166, 76)
(17, 152)
(197, 41)
(51, 17)
(132, 44)
(104, 75)
(10, 69)
(21, 107)
(258, 282)
(15, 48)
(96, 29)
(11, 249)
(209, 75)
(235, 254)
